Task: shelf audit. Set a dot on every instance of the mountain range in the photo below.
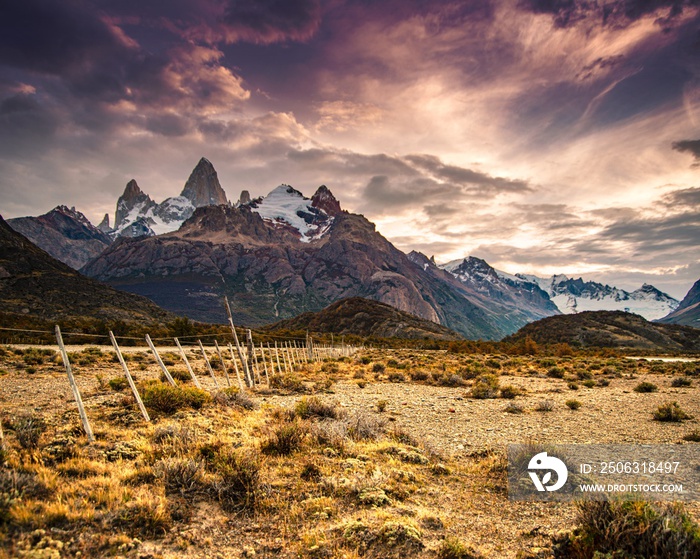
(283, 254)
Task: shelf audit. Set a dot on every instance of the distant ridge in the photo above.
(367, 318)
(616, 329)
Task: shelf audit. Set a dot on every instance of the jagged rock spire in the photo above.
(203, 187)
(324, 200)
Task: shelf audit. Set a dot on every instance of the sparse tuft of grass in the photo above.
(28, 429)
(285, 438)
(315, 407)
(573, 404)
(693, 436)
(238, 487)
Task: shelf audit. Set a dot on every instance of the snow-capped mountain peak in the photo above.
(576, 295)
(286, 206)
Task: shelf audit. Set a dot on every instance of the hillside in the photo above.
(364, 317)
(688, 312)
(33, 283)
(610, 329)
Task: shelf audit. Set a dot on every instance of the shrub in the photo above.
(238, 486)
(396, 377)
(167, 399)
(381, 405)
(630, 529)
(485, 386)
(365, 427)
(146, 515)
(420, 375)
(285, 438)
(555, 372)
(180, 375)
(514, 408)
(509, 392)
(603, 382)
(365, 360)
(234, 398)
(492, 364)
(544, 406)
(573, 404)
(28, 429)
(693, 436)
(118, 383)
(315, 407)
(671, 411)
(378, 368)
(681, 381)
(452, 548)
(180, 475)
(645, 387)
(590, 383)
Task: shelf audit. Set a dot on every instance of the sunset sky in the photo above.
(545, 136)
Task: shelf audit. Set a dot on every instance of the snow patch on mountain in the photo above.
(578, 295)
(287, 206)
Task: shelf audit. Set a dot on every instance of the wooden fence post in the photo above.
(250, 352)
(171, 380)
(74, 387)
(206, 360)
(187, 363)
(235, 364)
(262, 356)
(244, 364)
(128, 377)
(223, 363)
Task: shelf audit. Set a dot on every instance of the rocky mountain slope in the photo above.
(281, 255)
(576, 295)
(364, 317)
(32, 283)
(66, 234)
(688, 311)
(610, 329)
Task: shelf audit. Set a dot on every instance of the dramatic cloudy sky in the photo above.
(542, 135)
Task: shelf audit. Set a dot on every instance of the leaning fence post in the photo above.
(128, 377)
(235, 364)
(187, 363)
(206, 360)
(74, 387)
(262, 356)
(223, 363)
(248, 380)
(171, 380)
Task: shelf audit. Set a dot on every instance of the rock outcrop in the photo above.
(202, 187)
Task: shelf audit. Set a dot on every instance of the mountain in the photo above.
(33, 283)
(576, 295)
(367, 318)
(138, 215)
(610, 329)
(688, 311)
(284, 254)
(516, 299)
(66, 234)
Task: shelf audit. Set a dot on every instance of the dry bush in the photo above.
(631, 529)
(485, 387)
(180, 475)
(313, 406)
(166, 399)
(285, 438)
(28, 429)
(233, 397)
(238, 485)
(671, 411)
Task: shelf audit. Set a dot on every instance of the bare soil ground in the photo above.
(452, 485)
